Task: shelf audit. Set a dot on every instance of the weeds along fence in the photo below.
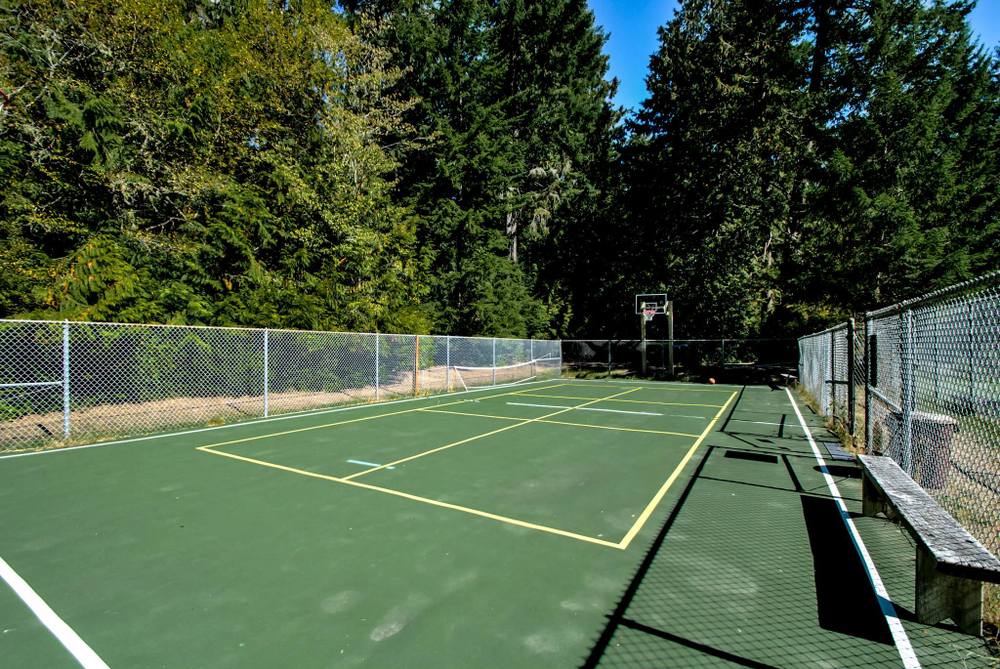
(919, 381)
(730, 360)
(831, 370)
(70, 382)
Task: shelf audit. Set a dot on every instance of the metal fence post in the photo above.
(494, 361)
(66, 400)
(850, 377)
(609, 357)
(447, 363)
(868, 385)
(907, 390)
(416, 365)
(831, 398)
(266, 352)
(378, 339)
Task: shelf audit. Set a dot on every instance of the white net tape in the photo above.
(467, 377)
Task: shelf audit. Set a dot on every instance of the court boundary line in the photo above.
(460, 442)
(559, 406)
(620, 545)
(416, 498)
(674, 475)
(270, 419)
(562, 422)
(901, 640)
(672, 404)
(667, 385)
(58, 627)
(349, 421)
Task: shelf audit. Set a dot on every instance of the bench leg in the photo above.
(873, 501)
(941, 596)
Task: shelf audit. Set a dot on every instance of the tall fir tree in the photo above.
(200, 162)
(514, 115)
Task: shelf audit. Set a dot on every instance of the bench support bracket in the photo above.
(941, 596)
(873, 501)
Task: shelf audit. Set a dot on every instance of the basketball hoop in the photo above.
(648, 314)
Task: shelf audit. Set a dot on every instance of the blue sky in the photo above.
(633, 24)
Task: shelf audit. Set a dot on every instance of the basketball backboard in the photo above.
(657, 300)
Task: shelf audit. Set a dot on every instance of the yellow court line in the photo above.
(666, 387)
(670, 404)
(621, 429)
(653, 503)
(346, 422)
(417, 498)
(481, 436)
(560, 422)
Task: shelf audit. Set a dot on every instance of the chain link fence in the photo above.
(72, 382)
(828, 366)
(926, 388)
(725, 360)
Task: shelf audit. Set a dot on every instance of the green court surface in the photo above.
(552, 524)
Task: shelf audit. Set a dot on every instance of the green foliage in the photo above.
(515, 124)
(796, 162)
(201, 163)
(456, 166)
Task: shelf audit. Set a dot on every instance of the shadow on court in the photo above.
(753, 566)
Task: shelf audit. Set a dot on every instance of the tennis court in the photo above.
(553, 523)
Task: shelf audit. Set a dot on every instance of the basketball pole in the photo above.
(642, 345)
(670, 336)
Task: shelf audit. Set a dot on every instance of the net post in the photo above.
(65, 361)
(494, 361)
(266, 353)
(378, 341)
(447, 363)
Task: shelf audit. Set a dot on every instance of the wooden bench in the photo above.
(951, 564)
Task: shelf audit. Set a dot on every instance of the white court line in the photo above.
(367, 464)
(256, 421)
(77, 647)
(903, 645)
(760, 422)
(559, 406)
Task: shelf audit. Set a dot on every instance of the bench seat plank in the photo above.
(951, 564)
(956, 551)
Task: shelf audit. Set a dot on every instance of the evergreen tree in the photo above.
(711, 163)
(200, 162)
(797, 161)
(514, 114)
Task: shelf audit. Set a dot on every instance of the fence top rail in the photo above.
(682, 341)
(984, 281)
(19, 321)
(835, 328)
